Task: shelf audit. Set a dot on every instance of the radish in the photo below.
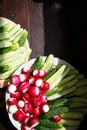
(19, 115)
(33, 91)
(57, 118)
(21, 104)
(36, 102)
(28, 108)
(31, 79)
(15, 79)
(36, 73)
(25, 127)
(44, 107)
(33, 121)
(42, 97)
(42, 73)
(38, 82)
(45, 86)
(26, 69)
(16, 95)
(36, 111)
(11, 88)
(23, 87)
(25, 119)
(25, 96)
(12, 101)
(23, 77)
(12, 109)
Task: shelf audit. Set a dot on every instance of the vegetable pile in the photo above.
(47, 95)
(12, 50)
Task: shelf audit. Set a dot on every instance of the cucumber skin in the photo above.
(39, 127)
(38, 63)
(51, 72)
(54, 111)
(50, 124)
(5, 68)
(58, 102)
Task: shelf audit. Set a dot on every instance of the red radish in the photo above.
(19, 115)
(23, 77)
(33, 91)
(25, 96)
(36, 102)
(36, 111)
(45, 86)
(11, 88)
(31, 79)
(44, 107)
(21, 104)
(26, 69)
(33, 121)
(42, 97)
(36, 73)
(57, 118)
(15, 79)
(16, 95)
(12, 101)
(24, 87)
(42, 73)
(28, 107)
(38, 82)
(25, 127)
(12, 109)
(25, 119)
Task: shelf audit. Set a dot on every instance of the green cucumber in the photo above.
(38, 63)
(5, 28)
(51, 72)
(3, 22)
(39, 127)
(5, 68)
(56, 78)
(5, 43)
(20, 39)
(48, 63)
(72, 115)
(8, 49)
(54, 111)
(58, 102)
(73, 71)
(81, 83)
(77, 104)
(11, 32)
(69, 122)
(50, 124)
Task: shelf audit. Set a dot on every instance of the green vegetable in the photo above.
(5, 28)
(5, 68)
(50, 124)
(48, 63)
(39, 127)
(5, 43)
(3, 22)
(38, 63)
(58, 102)
(73, 71)
(69, 122)
(56, 78)
(51, 72)
(54, 111)
(8, 49)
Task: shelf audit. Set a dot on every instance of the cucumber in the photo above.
(8, 49)
(50, 124)
(3, 22)
(48, 63)
(58, 102)
(11, 32)
(5, 28)
(39, 127)
(38, 63)
(54, 111)
(69, 122)
(51, 72)
(5, 68)
(55, 78)
(5, 43)
(20, 39)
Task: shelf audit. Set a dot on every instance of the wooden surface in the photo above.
(55, 26)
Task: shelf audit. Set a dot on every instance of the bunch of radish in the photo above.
(27, 99)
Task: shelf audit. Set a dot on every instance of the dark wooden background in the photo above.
(54, 26)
